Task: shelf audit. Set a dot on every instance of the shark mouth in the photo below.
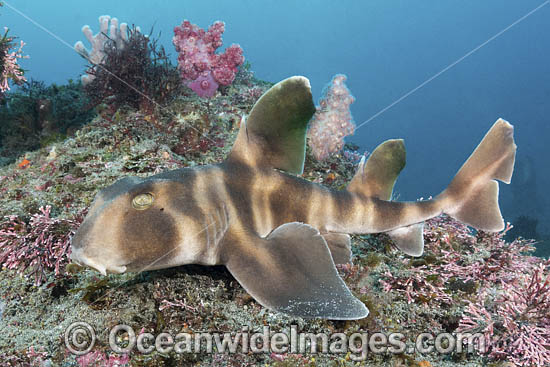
(78, 258)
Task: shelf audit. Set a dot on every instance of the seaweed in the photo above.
(94, 293)
(138, 74)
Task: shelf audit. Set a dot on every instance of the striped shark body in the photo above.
(279, 235)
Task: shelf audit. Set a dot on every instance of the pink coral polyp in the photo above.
(204, 85)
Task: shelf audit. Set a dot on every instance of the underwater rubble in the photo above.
(443, 291)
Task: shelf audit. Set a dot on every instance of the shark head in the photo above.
(132, 226)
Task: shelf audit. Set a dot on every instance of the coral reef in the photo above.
(457, 264)
(465, 280)
(502, 291)
(516, 322)
(332, 121)
(201, 68)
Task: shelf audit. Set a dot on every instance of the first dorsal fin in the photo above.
(274, 134)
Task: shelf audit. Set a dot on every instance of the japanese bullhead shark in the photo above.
(279, 235)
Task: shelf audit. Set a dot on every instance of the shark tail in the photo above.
(472, 196)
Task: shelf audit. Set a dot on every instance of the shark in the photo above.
(278, 234)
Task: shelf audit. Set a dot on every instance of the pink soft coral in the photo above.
(332, 121)
(199, 64)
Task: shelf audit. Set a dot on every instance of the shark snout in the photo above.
(78, 256)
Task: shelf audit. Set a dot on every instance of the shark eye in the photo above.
(142, 201)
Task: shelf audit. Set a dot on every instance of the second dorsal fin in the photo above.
(376, 177)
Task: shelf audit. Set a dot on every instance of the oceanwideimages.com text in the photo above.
(80, 339)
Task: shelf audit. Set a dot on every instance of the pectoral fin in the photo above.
(291, 271)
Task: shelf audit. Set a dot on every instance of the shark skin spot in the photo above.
(267, 226)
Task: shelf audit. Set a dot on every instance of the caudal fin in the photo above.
(472, 196)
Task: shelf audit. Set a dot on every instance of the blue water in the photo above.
(386, 48)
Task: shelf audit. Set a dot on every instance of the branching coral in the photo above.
(456, 260)
(516, 322)
(36, 247)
